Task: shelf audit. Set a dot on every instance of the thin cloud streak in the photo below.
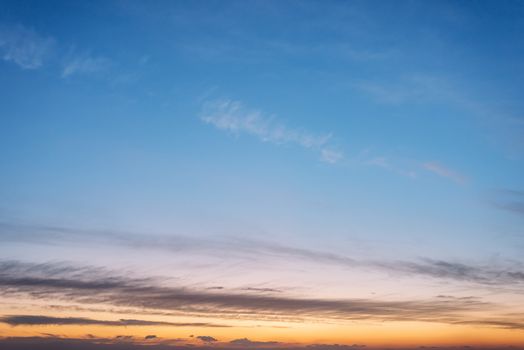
(510, 200)
(234, 117)
(98, 286)
(30, 50)
(37, 320)
(445, 172)
(85, 63)
(503, 275)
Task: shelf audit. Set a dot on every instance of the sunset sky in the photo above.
(298, 175)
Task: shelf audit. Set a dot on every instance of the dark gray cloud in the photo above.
(99, 286)
(207, 338)
(151, 336)
(34, 320)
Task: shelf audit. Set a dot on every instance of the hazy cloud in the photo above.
(444, 171)
(482, 274)
(84, 64)
(30, 50)
(510, 200)
(24, 47)
(331, 156)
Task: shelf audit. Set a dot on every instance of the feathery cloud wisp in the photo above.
(234, 117)
(24, 47)
(446, 172)
(487, 274)
(84, 64)
(510, 200)
(87, 284)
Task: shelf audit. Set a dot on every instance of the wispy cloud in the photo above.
(38, 320)
(416, 88)
(30, 50)
(84, 63)
(502, 275)
(234, 117)
(510, 200)
(445, 172)
(481, 274)
(59, 281)
(331, 156)
(385, 163)
(24, 47)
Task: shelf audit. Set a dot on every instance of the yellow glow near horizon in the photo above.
(369, 333)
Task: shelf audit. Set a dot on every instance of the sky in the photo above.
(299, 175)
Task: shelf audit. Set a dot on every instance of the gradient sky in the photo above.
(266, 174)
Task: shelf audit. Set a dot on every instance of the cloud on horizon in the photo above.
(94, 343)
(207, 338)
(244, 342)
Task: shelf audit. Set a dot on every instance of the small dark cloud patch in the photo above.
(207, 338)
(244, 342)
(148, 337)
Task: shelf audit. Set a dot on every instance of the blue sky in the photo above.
(377, 130)
(419, 103)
